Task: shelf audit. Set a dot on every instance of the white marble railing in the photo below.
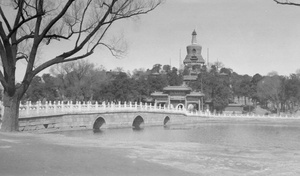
(38, 109)
(47, 109)
(275, 116)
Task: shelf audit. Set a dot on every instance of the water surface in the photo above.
(209, 148)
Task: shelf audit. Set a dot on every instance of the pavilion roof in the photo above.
(177, 88)
(158, 94)
(200, 94)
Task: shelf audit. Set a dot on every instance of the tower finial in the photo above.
(194, 37)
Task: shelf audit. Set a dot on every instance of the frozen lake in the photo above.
(210, 148)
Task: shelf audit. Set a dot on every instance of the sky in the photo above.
(248, 36)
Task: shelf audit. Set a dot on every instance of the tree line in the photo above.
(83, 81)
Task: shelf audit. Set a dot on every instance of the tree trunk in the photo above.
(278, 108)
(10, 121)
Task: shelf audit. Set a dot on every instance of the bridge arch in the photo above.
(166, 121)
(180, 106)
(137, 122)
(98, 123)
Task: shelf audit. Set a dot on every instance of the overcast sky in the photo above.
(248, 36)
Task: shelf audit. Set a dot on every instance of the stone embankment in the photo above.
(73, 116)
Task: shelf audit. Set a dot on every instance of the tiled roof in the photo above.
(158, 94)
(182, 88)
(195, 94)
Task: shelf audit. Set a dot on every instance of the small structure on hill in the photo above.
(183, 96)
(234, 109)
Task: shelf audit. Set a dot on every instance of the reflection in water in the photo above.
(166, 127)
(254, 135)
(138, 128)
(211, 148)
(98, 131)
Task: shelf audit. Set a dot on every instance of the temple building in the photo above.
(183, 96)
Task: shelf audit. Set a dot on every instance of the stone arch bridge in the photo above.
(64, 116)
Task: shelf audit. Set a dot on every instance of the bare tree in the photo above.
(219, 65)
(287, 2)
(77, 80)
(270, 89)
(28, 25)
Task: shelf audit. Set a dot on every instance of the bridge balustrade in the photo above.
(30, 109)
(36, 109)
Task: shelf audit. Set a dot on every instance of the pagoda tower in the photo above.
(183, 96)
(193, 60)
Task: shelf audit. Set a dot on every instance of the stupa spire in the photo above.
(194, 37)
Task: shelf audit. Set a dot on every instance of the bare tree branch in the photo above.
(82, 20)
(5, 19)
(114, 51)
(59, 16)
(21, 23)
(59, 60)
(287, 2)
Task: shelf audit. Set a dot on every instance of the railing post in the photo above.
(88, 105)
(46, 107)
(103, 105)
(79, 106)
(76, 106)
(59, 106)
(49, 106)
(2, 108)
(70, 105)
(62, 106)
(37, 105)
(28, 103)
(135, 104)
(141, 105)
(55, 106)
(96, 106)
(84, 106)
(109, 105)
